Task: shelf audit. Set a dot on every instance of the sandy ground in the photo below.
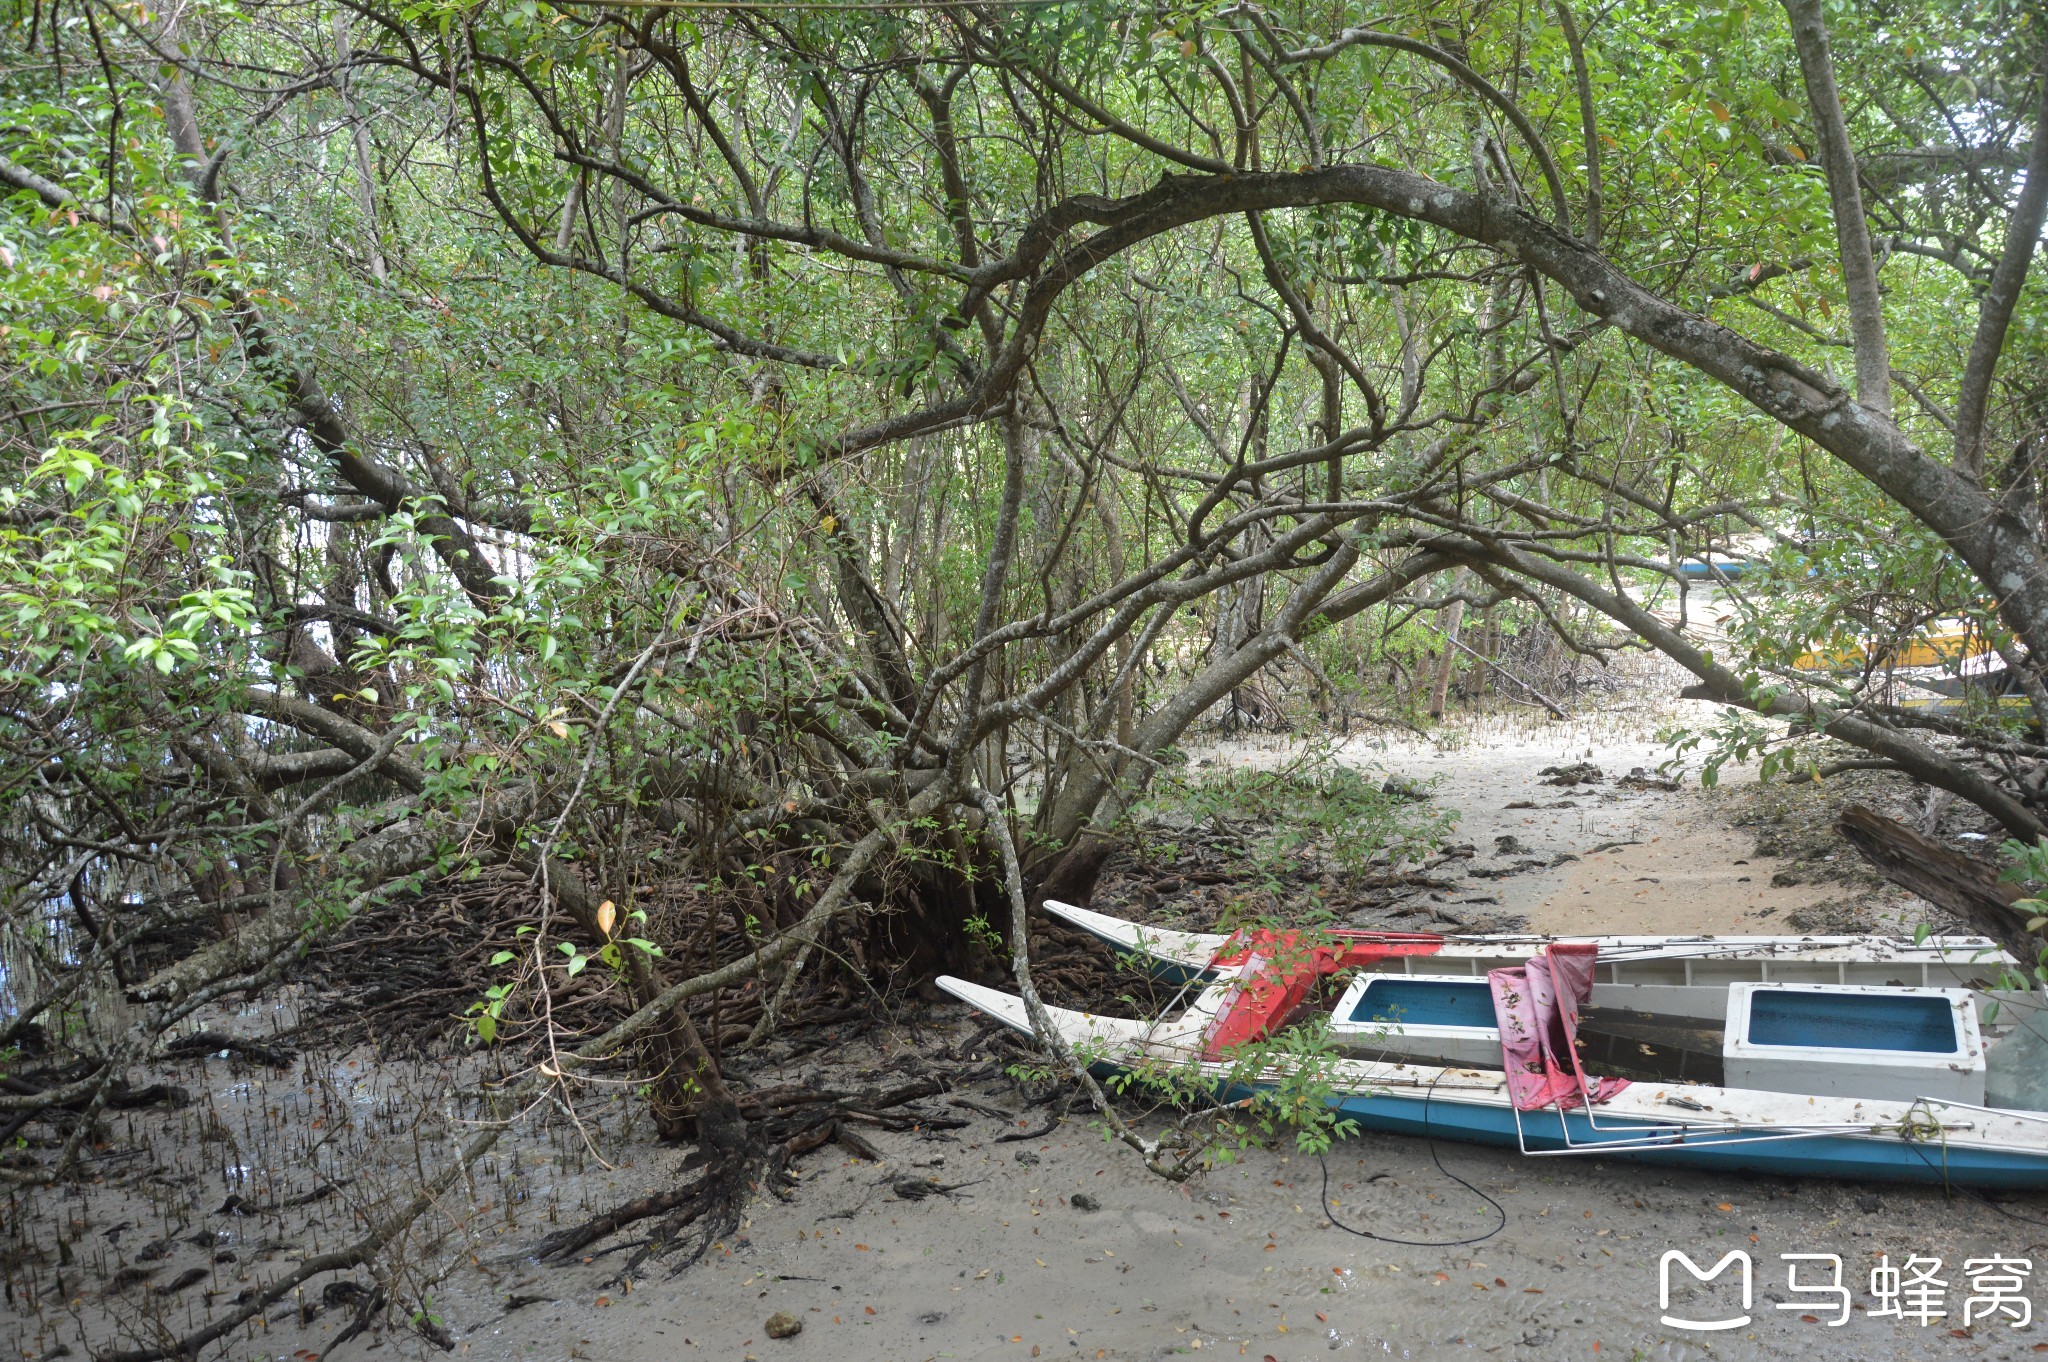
(1627, 859)
(1248, 1261)
(1244, 1262)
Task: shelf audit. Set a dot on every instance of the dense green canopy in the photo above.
(791, 456)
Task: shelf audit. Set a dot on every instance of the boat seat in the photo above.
(1443, 1017)
(1846, 1040)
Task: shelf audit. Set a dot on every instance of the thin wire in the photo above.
(1499, 1210)
(1949, 1186)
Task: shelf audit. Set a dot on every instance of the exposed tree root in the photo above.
(782, 1125)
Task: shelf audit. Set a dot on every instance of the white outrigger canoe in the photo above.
(1850, 1057)
(1686, 975)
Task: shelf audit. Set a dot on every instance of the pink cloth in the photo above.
(1537, 1007)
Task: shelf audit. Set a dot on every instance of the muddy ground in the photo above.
(1048, 1242)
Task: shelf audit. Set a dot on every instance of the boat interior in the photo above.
(1890, 1030)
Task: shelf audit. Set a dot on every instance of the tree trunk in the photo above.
(1069, 870)
(1454, 617)
(1845, 196)
(1969, 889)
(359, 132)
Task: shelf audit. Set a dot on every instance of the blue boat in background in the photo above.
(1714, 567)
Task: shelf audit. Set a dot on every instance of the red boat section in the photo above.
(1284, 966)
(1536, 1004)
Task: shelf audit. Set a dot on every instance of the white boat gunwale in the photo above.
(1199, 949)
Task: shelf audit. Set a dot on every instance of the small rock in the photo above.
(1081, 1201)
(1508, 845)
(343, 1293)
(1869, 1205)
(782, 1324)
(1026, 1157)
(1578, 773)
(191, 1276)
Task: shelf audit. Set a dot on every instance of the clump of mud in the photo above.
(1205, 880)
(1796, 822)
(1848, 916)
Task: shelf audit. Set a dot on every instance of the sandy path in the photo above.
(1671, 865)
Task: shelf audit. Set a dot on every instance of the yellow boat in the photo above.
(1940, 644)
(2006, 707)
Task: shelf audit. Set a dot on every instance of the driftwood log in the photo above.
(1969, 889)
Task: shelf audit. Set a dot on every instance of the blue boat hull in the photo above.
(1850, 1158)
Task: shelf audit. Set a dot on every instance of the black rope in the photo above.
(1436, 1159)
(1951, 1188)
